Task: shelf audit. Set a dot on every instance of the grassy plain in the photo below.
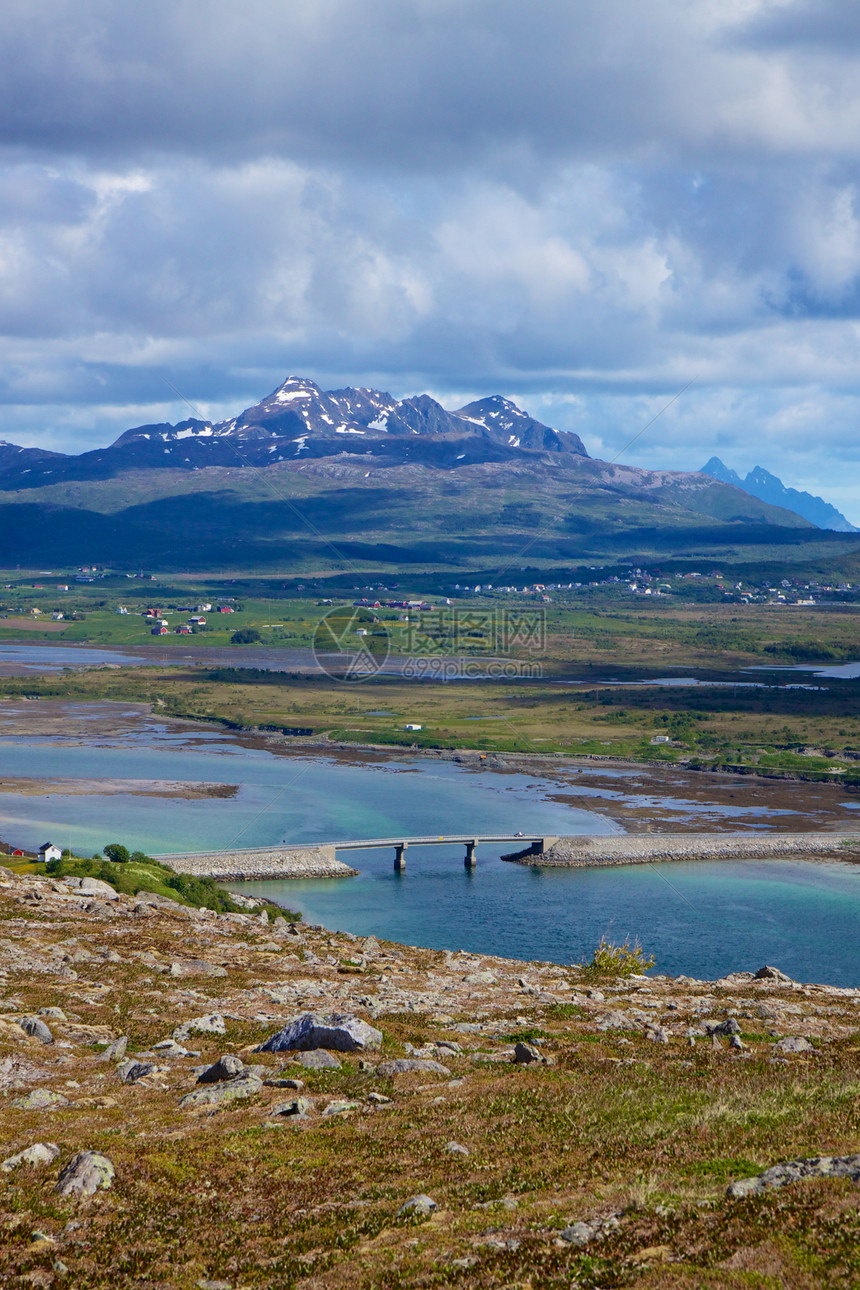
(795, 723)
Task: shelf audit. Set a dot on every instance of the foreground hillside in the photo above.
(504, 1124)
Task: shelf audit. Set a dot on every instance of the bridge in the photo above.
(533, 842)
(309, 859)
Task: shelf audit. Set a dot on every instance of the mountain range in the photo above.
(354, 478)
(297, 421)
(768, 488)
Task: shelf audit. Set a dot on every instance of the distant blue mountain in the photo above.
(766, 487)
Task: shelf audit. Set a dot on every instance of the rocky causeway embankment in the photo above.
(625, 849)
(270, 863)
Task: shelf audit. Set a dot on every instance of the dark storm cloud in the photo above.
(583, 204)
(403, 83)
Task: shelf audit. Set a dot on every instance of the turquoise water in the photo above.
(700, 919)
(278, 797)
(703, 919)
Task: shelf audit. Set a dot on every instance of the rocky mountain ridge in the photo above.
(300, 421)
(769, 488)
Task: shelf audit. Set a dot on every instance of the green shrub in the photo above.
(150, 875)
(116, 852)
(610, 960)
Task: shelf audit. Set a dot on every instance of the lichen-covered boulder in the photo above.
(41, 1153)
(227, 1091)
(342, 1032)
(85, 1174)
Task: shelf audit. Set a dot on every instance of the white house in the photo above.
(411, 726)
(47, 851)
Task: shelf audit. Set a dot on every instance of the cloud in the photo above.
(416, 84)
(556, 201)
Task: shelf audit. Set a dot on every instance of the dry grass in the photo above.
(615, 1123)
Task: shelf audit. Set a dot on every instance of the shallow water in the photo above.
(297, 798)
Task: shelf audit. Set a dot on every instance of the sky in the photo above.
(583, 205)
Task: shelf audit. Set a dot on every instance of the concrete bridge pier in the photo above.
(399, 857)
(471, 859)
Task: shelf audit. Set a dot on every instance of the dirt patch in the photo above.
(31, 625)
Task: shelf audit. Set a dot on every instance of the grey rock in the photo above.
(95, 887)
(170, 1048)
(85, 1174)
(768, 973)
(131, 1071)
(506, 1202)
(793, 1044)
(420, 1206)
(196, 967)
(204, 1284)
(404, 1064)
(614, 1021)
(41, 1153)
(227, 1067)
(456, 1149)
(795, 1171)
(339, 1107)
(227, 1091)
(36, 1027)
(115, 1051)
(52, 1014)
(657, 1035)
(41, 1099)
(318, 1060)
(525, 1054)
(211, 1025)
(300, 1107)
(728, 1027)
(578, 1234)
(297, 1084)
(737, 1043)
(340, 1031)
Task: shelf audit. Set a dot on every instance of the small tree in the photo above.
(139, 857)
(117, 852)
(245, 636)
